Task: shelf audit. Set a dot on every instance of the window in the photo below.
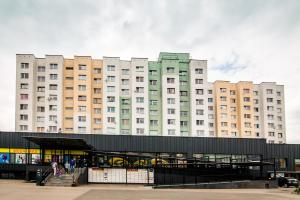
(210, 100)
(140, 110)
(24, 65)
(210, 116)
(232, 92)
(183, 103)
(82, 77)
(153, 72)
(171, 100)
(170, 80)
(279, 135)
(153, 102)
(199, 91)
(183, 83)
(53, 76)
(270, 117)
(279, 118)
(223, 98)
(223, 116)
(200, 132)
(97, 100)
(271, 125)
(125, 101)
(210, 108)
(246, 99)
(256, 125)
(97, 71)
(223, 107)
(69, 78)
(223, 90)
(111, 68)
(139, 79)
(41, 89)
(139, 120)
(279, 110)
(256, 118)
(269, 100)
(41, 109)
(199, 112)
(82, 87)
(40, 99)
(53, 107)
(139, 68)
(279, 94)
(255, 93)
(247, 125)
(125, 121)
(171, 121)
(23, 127)
(81, 108)
(153, 122)
(140, 99)
(247, 116)
(209, 91)
(198, 71)
(69, 68)
(269, 91)
(24, 117)
(246, 91)
(111, 119)
(125, 111)
(183, 123)
(97, 120)
(24, 86)
(199, 122)
(233, 125)
(23, 106)
(41, 78)
(97, 80)
(256, 109)
(69, 108)
(24, 96)
(125, 71)
(171, 131)
(255, 101)
(278, 102)
(111, 79)
(53, 66)
(171, 111)
(199, 101)
(224, 124)
(246, 107)
(233, 116)
(183, 93)
(125, 91)
(125, 81)
(170, 70)
(53, 87)
(271, 134)
(154, 92)
(184, 113)
(52, 118)
(110, 88)
(198, 81)
(69, 88)
(183, 73)
(41, 69)
(97, 90)
(140, 131)
(139, 90)
(81, 98)
(24, 75)
(153, 82)
(40, 119)
(97, 110)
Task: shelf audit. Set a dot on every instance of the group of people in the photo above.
(68, 168)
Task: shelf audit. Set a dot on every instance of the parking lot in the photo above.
(12, 189)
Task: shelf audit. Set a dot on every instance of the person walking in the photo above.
(72, 165)
(54, 167)
(67, 167)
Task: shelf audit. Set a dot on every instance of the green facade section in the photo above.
(125, 114)
(155, 94)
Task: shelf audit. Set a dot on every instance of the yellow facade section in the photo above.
(82, 95)
(234, 109)
(68, 96)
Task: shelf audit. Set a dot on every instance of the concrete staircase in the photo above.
(65, 180)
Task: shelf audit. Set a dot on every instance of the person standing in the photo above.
(72, 165)
(54, 167)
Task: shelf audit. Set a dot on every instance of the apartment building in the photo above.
(167, 97)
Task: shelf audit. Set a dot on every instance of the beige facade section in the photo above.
(82, 95)
(234, 109)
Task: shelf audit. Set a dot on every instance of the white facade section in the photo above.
(272, 112)
(199, 106)
(170, 101)
(111, 95)
(139, 88)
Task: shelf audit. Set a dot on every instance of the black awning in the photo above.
(61, 143)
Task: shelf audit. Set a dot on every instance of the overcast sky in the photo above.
(242, 40)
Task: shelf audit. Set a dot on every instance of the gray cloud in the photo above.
(249, 40)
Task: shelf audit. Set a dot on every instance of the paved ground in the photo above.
(16, 190)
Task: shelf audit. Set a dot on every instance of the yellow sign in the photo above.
(4, 150)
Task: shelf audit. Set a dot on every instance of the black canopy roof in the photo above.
(59, 143)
